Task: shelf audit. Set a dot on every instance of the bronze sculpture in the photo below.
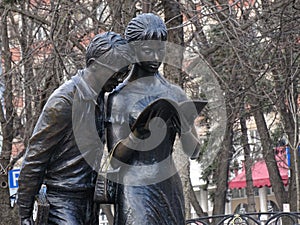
(54, 156)
(150, 191)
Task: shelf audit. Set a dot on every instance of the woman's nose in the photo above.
(156, 56)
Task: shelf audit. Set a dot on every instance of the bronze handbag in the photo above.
(41, 207)
(106, 183)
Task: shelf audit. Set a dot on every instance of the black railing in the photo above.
(271, 218)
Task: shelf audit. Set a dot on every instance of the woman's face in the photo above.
(150, 55)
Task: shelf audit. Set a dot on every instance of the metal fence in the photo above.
(271, 218)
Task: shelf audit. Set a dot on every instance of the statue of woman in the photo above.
(150, 189)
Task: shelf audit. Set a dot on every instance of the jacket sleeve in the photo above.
(48, 132)
(189, 140)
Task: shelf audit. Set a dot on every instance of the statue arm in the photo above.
(188, 137)
(190, 143)
(122, 142)
(47, 133)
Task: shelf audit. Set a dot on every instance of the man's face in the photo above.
(110, 75)
(115, 79)
(150, 55)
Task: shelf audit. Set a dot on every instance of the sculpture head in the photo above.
(107, 59)
(146, 26)
(147, 33)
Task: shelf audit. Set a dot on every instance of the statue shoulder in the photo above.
(177, 92)
(173, 89)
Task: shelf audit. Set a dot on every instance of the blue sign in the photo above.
(288, 156)
(13, 176)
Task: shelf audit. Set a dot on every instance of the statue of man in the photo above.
(61, 153)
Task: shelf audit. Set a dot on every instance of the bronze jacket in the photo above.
(64, 148)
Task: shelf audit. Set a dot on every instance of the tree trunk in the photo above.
(289, 121)
(221, 174)
(194, 202)
(121, 14)
(25, 38)
(185, 179)
(267, 146)
(248, 163)
(8, 214)
(174, 19)
(183, 166)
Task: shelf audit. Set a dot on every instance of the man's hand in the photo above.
(27, 221)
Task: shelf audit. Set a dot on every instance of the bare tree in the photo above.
(248, 162)
(255, 44)
(250, 44)
(43, 44)
(9, 216)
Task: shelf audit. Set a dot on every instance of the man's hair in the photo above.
(146, 26)
(103, 43)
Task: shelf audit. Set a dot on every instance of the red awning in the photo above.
(260, 175)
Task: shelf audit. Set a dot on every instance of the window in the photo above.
(239, 193)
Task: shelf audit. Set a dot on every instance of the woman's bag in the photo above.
(106, 183)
